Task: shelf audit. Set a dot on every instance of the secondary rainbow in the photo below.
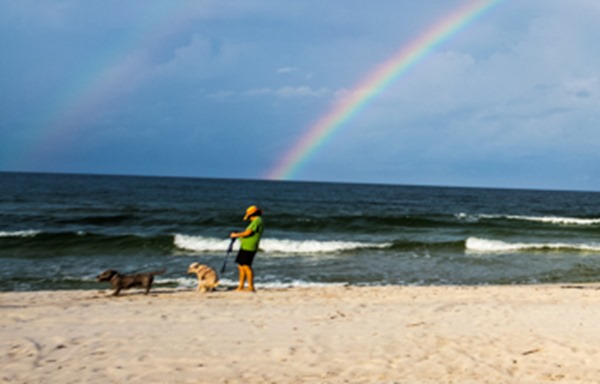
(373, 84)
(92, 90)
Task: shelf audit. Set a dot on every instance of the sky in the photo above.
(227, 89)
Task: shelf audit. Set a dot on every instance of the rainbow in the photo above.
(373, 84)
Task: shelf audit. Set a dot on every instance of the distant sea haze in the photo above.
(60, 231)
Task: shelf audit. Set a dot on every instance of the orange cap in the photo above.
(251, 210)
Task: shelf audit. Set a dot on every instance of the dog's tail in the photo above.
(158, 272)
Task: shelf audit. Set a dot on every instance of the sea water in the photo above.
(60, 231)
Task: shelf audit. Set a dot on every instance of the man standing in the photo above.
(249, 239)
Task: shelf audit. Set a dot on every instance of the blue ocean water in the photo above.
(60, 231)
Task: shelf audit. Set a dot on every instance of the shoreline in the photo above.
(384, 334)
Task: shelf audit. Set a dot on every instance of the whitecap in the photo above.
(479, 245)
(268, 245)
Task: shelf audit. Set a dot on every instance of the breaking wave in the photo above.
(207, 244)
(479, 245)
(539, 219)
(27, 233)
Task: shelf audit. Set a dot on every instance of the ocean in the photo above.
(59, 231)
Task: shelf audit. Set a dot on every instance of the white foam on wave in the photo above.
(208, 244)
(479, 245)
(188, 283)
(540, 219)
(297, 284)
(556, 220)
(315, 246)
(27, 233)
(200, 244)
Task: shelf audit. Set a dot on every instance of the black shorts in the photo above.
(245, 257)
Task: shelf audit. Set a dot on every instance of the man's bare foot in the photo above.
(245, 290)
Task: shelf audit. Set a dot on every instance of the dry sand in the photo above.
(507, 334)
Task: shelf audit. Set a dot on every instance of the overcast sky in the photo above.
(226, 88)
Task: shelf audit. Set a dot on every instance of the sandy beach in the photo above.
(495, 334)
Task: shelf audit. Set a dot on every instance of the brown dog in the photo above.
(119, 281)
(207, 277)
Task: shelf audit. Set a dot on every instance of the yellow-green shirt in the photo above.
(251, 242)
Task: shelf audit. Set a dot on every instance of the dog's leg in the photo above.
(149, 284)
(116, 285)
(202, 286)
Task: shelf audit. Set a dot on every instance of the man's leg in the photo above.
(242, 272)
(250, 277)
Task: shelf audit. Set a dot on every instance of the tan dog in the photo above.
(207, 277)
